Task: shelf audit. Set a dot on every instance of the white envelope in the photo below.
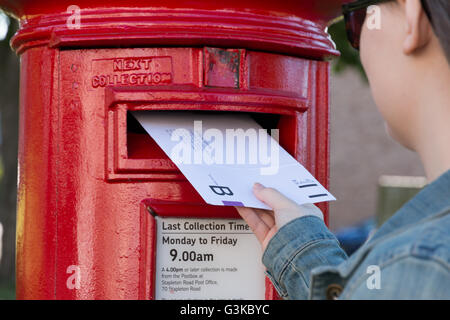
(223, 155)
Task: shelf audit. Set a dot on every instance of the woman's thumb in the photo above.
(273, 198)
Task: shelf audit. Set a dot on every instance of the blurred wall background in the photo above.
(361, 151)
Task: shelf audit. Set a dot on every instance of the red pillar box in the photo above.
(95, 190)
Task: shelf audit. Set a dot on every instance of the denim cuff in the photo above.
(288, 243)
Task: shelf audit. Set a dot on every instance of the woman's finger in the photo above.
(273, 198)
(268, 216)
(254, 221)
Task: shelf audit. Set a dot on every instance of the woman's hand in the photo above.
(265, 223)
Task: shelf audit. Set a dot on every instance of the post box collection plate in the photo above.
(207, 259)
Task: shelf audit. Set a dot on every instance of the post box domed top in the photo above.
(309, 9)
(281, 25)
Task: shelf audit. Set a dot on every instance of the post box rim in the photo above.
(128, 27)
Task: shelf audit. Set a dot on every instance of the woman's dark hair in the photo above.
(439, 13)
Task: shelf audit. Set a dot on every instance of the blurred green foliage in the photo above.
(7, 292)
(8, 102)
(1, 168)
(349, 57)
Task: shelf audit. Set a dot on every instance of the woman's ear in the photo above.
(418, 31)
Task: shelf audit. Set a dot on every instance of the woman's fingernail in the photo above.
(258, 186)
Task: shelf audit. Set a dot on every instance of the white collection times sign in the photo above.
(207, 259)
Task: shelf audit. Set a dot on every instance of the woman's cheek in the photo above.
(376, 62)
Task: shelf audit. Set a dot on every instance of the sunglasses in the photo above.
(355, 15)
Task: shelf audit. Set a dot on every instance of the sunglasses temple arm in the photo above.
(335, 20)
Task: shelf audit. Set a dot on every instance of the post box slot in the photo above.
(141, 146)
(134, 155)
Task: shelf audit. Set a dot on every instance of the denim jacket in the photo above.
(407, 258)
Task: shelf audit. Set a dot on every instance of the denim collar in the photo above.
(431, 201)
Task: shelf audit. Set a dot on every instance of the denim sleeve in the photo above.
(296, 249)
(410, 277)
